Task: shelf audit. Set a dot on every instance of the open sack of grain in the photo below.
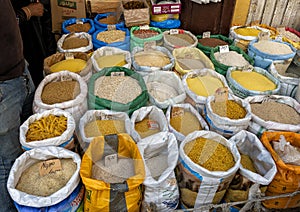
(284, 148)
(205, 44)
(257, 169)
(190, 58)
(118, 89)
(77, 62)
(290, 35)
(273, 113)
(252, 81)
(96, 123)
(147, 121)
(184, 119)
(208, 163)
(34, 187)
(78, 25)
(112, 171)
(64, 90)
(53, 127)
(165, 88)
(227, 117)
(176, 38)
(75, 42)
(139, 36)
(109, 19)
(160, 155)
(107, 56)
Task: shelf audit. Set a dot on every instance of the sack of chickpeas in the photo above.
(64, 90)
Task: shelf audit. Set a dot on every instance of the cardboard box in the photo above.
(168, 8)
(136, 17)
(105, 6)
(62, 10)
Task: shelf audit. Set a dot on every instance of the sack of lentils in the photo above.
(265, 51)
(78, 25)
(106, 20)
(235, 57)
(165, 88)
(243, 35)
(189, 58)
(96, 123)
(176, 38)
(147, 121)
(107, 56)
(77, 62)
(251, 82)
(227, 117)
(50, 128)
(75, 42)
(115, 37)
(289, 82)
(184, 119)
(273, 113)
(206, 44)
(118, 89)
(146, 61)
(199, 84)
(208, 163)
(139, 36)
(112, 171)
(160, 157)
(34, 186)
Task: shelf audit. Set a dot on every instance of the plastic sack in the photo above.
(157, 120)
(258, 125)
(173, 45)
(199, 101)
(65, 140)
(222, 68)
(92, 115)
(224, 125)
(30, 157)
(264, 60)
(198, 185)
(72, 21)
(166, 24)
(99, 25)
(103, 196)
(165, 88)
(288, 84)
(85, 73)
(82, 35)
(163, 17)
(140, 42)
(184, 54)
(144, 70)
(107, 50)
(187, 107)
(161, 193)
(121, 44)
(242, 92)
(286, 179)
(94, 102)
(77, 106)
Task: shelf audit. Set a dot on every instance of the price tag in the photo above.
(221, 94)
(150, 45)
(247, 68)
(49, 167)
(111, 27)
(111, 160)
(152, 125)
(117, 74)
(144, 27)
(206, 35)
(105, 116)
(263, 35)
(108, 52)
(279, 38)
(174, 31)
(78, 21)
(224, 49)
(177, 111)
(69, 56)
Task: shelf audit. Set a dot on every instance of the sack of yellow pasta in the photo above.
(112, 171)
(50, 128)
(287, 177)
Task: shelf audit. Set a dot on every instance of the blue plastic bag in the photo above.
(167, 24)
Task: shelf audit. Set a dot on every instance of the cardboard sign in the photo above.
(177, 111)
(221, 94)
(111, 160)
(49, 166)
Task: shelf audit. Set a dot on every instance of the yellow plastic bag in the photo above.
(102, 196)
(287, 178)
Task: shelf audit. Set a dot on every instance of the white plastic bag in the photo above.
(288, 153)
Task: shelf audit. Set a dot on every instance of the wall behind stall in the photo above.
(270, 12)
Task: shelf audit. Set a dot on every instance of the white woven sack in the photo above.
(85, 35)
(171, 46)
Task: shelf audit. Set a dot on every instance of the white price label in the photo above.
(174, 31)
(78, 21)
(117, 74)
(144, 27)
(221, 94)
(111, 27)
(206, 35)
(224, 49)
(69, 55)
(247, 68)
(263, 35)
(152, 125)
(111, 160)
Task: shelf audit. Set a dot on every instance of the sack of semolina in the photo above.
(208, 163)
(75, 42)
(147, 121)
(160, 155)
